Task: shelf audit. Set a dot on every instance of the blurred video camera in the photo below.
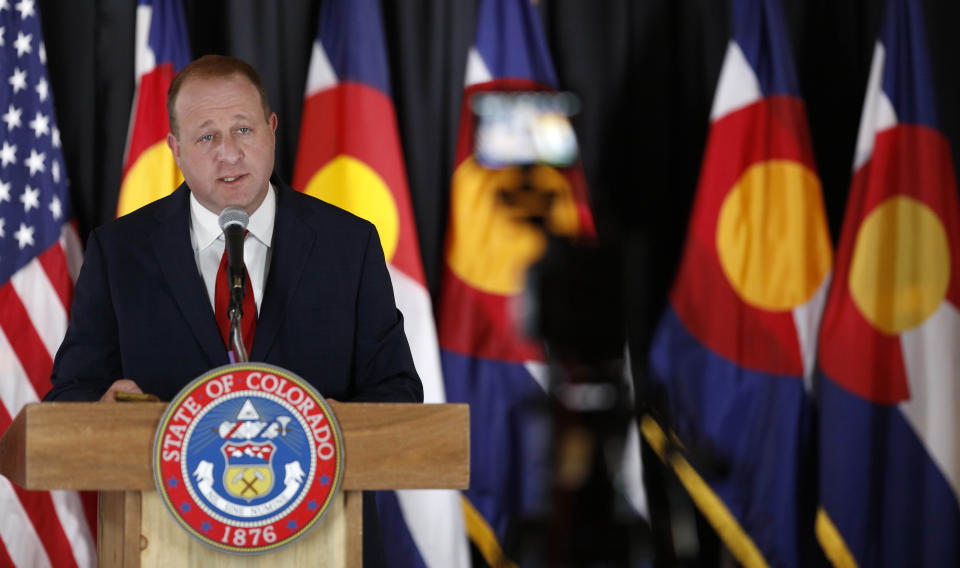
(572, 302)
(525, 128)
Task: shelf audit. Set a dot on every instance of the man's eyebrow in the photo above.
(238, 116)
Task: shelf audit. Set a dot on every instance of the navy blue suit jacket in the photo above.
(140, 309)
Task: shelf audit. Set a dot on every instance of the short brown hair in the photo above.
(214, 66)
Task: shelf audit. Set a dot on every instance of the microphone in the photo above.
(233, 222)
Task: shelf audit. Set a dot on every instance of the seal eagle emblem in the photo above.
(248, 457)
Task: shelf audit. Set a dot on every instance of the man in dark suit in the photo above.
(143, 313)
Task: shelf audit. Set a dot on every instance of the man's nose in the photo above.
(230, 150)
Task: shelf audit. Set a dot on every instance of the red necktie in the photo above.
(221, 299)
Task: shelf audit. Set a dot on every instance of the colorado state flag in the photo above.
(890, 341)
(149, 171)
(350, 155)
(486, 361)
(736, 346)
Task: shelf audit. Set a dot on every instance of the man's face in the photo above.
(225, 145)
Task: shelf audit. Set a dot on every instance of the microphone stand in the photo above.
(233, 221)
(235, 310)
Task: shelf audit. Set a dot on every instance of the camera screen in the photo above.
(524, 128)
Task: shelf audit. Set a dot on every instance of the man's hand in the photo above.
(122, 385)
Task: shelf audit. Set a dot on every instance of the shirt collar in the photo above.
(261, 222)
(206, 227)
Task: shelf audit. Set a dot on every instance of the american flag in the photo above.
(39, 259)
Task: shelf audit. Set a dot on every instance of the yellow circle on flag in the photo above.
(492, 244)
(772, 236)
(154, 174)
(351, 184)
(901, 264)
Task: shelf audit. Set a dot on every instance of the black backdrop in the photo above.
(645, 71)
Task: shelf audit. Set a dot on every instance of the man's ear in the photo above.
(273, 122)
(174, 145)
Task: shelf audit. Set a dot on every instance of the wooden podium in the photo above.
(108, 448)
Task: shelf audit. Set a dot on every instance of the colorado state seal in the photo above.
(248, 457)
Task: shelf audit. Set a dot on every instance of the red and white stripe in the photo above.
(38, 528)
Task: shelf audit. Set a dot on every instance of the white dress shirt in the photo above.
(207, 240)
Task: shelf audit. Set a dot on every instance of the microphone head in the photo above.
(233, 215)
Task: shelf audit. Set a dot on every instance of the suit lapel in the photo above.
(171, 243)
(293, 242)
